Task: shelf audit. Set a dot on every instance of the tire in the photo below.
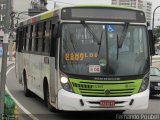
(27, 92)
(47, 100)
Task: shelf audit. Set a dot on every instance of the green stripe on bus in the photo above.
(46, 15)
(99, 88)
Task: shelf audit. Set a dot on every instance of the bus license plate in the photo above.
(107, 103)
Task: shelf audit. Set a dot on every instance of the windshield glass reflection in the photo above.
(93, 50)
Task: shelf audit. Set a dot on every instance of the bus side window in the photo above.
(43, 36)
(25, 30)
(30, 38)
(47, 37)
(40, 36)
(17, 39)
(53, 41)
(33, 38)
(36, 38)
(22, 38)
(20, 41)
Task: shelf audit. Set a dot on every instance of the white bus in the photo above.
(85, 58)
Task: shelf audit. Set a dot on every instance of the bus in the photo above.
(75, 60)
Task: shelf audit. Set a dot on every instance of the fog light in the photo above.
(66, 86)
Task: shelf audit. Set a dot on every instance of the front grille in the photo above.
(105, 88)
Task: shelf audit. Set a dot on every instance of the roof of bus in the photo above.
(52, 13)
(108, 6)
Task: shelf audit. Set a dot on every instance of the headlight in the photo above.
(65, 83)
(64, 80)
(145, 83)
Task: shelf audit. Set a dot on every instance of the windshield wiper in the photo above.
(122, 38)
(93, 34)
(123, 35)
(100, 42)
(117, 47)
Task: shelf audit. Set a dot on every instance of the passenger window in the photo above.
(47, 37)
(33, 38)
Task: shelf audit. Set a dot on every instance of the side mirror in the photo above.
(152, 40)
(148, 24)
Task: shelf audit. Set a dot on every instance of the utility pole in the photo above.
(4, 57)
(153, 24)
(12, 15)
(153, 17)
(37, 7)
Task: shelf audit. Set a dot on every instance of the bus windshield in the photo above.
(92, 49)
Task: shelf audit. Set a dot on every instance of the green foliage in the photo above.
(156, 33)
(9, 105)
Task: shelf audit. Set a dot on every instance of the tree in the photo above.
(156, 33)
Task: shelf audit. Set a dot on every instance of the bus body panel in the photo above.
(36, 72)
(34, 78)
(53, 80)
(26, 67)
(45, 74)
(71, 102)
(19, 67)
(40, 67)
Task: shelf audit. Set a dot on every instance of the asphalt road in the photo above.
(36, 109)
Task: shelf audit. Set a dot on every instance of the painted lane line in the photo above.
(16, 101)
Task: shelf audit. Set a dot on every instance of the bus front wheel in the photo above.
(47, 100)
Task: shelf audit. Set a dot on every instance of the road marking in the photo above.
(16, 101)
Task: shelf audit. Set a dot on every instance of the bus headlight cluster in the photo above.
(145, 83)
(65, 83)
(64, 80)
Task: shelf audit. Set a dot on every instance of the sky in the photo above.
(155, 3)
(72, 2)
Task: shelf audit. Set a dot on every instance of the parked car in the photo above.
(154, 81)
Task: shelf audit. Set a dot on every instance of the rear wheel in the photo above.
(27, 92)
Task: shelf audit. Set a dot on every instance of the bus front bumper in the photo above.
(73, 102)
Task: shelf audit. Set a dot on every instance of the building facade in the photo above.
(147, 7)
(144, 5)
(3, 8)
(20, 7)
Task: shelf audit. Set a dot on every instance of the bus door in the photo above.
(54, 63)
(35, 60)
(19, 55)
